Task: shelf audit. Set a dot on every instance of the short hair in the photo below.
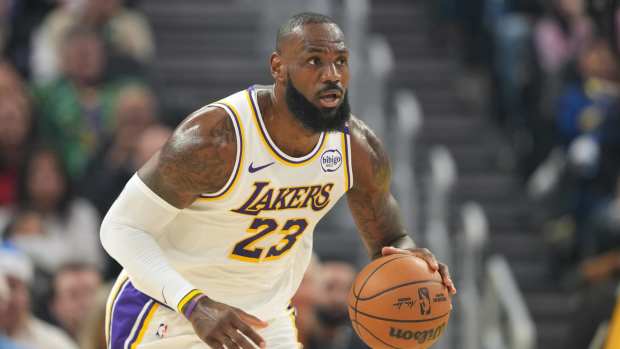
(299, 20)
(73, 266)
(70, 267)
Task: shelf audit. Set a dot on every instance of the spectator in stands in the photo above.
(601, 248)
(585, 120)
(531, 63)
(512, 74)
(113, 164)
(15, 116)
(74, 290)
(92, 334)
(126, 32)
(5, 294)
(77, 110)
(24, 328)
(586, 104)
(305, 301)
(18, 20)
(334, 328)
(15, 135)
(53, 227)
(11, 84)
(562, 35)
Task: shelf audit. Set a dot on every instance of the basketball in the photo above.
(397, 302)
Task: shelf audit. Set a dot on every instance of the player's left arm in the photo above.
(373, 207)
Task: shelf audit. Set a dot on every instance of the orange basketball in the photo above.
(396, 302)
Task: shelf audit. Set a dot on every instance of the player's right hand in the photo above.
(223, 326)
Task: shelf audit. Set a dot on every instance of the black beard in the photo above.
(314, 118)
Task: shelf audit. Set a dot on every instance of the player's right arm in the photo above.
(198, 158)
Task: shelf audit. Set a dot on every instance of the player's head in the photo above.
(311, 63)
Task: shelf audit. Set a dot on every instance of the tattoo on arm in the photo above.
(378, 220)
(374, 209)
(198, 158)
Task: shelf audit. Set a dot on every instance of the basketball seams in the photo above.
(366, 281)
(374, 271)
(396, 287)
(397, 320)
(374, 336)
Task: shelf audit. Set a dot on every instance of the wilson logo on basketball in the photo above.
(331, 160)
(419, 336)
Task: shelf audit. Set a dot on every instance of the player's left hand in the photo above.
(430, 259)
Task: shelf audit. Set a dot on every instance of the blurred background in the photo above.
(502, 119)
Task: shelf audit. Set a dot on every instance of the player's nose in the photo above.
(331, 73)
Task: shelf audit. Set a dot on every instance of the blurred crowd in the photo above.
(78, 116)
(552, 68)
(79, 113)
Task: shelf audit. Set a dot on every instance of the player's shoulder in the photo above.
(364, 142)
(196, 159)
(371, 164)
(215, 124)
(208, 126)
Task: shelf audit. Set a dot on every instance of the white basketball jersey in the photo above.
(249, 244)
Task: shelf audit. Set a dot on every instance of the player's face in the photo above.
(319, 64)
(318, 77)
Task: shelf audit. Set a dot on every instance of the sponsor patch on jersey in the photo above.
(331, 160)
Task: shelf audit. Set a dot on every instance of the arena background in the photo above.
(501, 118)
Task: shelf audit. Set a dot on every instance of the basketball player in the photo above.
(215, 231)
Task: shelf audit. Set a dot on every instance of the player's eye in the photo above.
(342, 61)
(314, 61)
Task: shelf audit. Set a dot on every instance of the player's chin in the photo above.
(329, 113)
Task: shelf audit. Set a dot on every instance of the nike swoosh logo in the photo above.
(253, 169)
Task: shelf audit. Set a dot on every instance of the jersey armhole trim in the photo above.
(234, 176)
(348, 171)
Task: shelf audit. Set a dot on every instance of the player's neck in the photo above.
(284, 129)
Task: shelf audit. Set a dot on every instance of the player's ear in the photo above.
(277, 67)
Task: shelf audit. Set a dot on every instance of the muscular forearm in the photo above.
(378, 220)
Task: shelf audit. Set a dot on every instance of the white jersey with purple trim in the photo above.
(248, 245)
